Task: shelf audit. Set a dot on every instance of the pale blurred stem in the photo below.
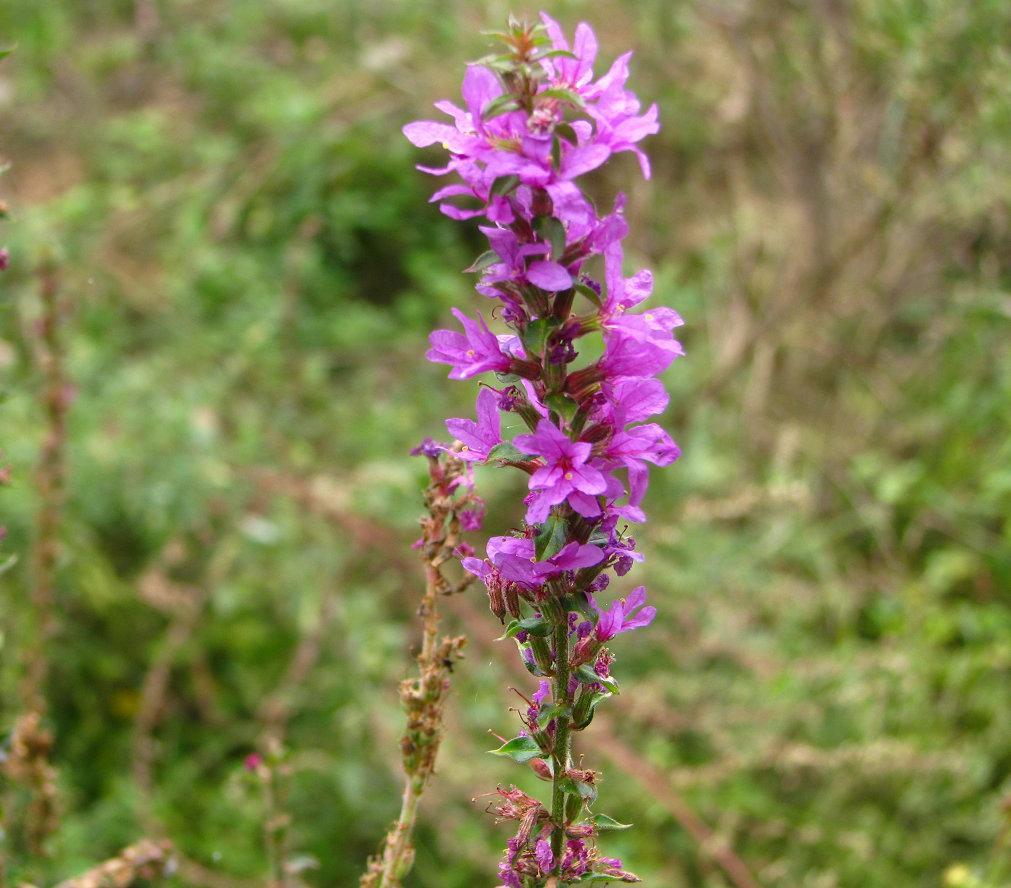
(276, 823)
(561, 756)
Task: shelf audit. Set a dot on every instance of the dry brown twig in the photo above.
(423, 696)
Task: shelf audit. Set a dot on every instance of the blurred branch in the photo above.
(146, 859)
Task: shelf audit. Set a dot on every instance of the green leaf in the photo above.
(602, 821)
(590, 294)
(565, 95)
(553, 231)
(510, 631)
(6, 52)
(501, 105)
(562, 405)
(565, 131)
(580, 602)
(532, 626)
(553, 54)
(550, 711)
(508, 452)
(551, 538)
(536, 626)
(535, 337)
(485, 260)
(578, 788)
(519, 749)
(585, 723)
(533, 668)
(587, 675)
(504, 185)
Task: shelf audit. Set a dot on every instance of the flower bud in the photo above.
(541, 768)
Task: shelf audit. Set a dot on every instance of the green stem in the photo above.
(561, 756)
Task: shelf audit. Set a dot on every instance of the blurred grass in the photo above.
(251, 269)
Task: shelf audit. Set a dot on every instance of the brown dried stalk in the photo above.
(424, 695)
(32, 818)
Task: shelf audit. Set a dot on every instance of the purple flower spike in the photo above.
(532, 122)
(619, 617)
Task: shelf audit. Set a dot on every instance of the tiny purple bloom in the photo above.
(619, 617)
(479, 437)
(474, 351)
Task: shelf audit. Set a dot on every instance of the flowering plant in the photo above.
(535, 120)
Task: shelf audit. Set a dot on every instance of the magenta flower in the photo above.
(545, 859)
(619, 616)
(566, 470)
(515, 559)
(546, 274)
(626, 355)
(475, 350)
(478, 438)
(631, 400)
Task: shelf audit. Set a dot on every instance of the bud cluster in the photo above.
(578, 369)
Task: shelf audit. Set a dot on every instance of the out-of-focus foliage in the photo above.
(250, 269)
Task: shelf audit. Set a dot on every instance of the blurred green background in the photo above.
(250, 269)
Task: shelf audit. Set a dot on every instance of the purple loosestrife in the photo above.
(534, 120)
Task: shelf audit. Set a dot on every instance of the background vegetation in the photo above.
(248, 270)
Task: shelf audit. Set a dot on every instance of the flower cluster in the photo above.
(578, 368)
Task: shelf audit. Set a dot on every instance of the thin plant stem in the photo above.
(561, 755)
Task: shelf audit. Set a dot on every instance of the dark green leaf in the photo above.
(535, 336)
(577, 788)
(566, 95)
(532, 626)
(587, 675)
(508, 452)
(550, 711)
(553, 231)
(602, 821)
(590, 294)
(485, 260)
(551, 538)
(597, 698)
(563, 406)
(553, 54)
(519, 749)
(501, 105)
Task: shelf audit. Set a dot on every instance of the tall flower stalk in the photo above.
(578, 369)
